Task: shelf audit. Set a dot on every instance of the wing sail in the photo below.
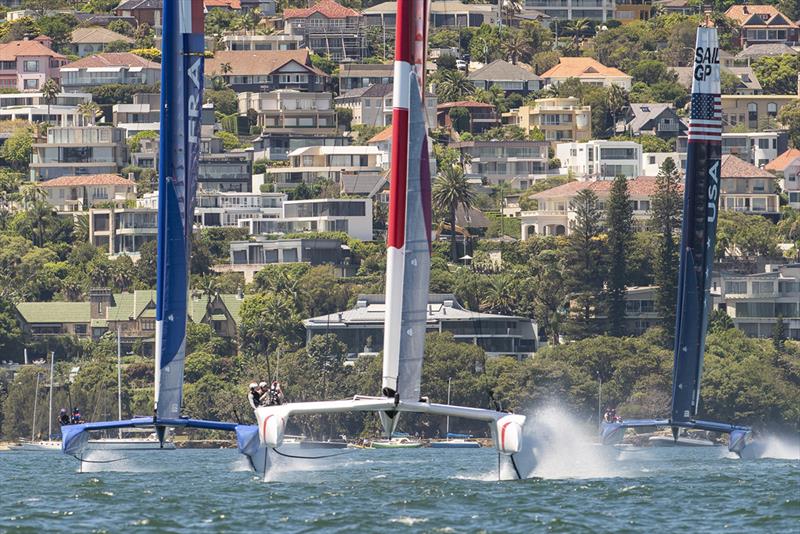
(181, 104)
(698, 232)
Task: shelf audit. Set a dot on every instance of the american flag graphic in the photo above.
(705, 124)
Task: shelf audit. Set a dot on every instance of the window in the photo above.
(31, 83)
(30, 65)
(148, 324)
(772, 110)
(763, 144)
(752, 112)
(736, 288)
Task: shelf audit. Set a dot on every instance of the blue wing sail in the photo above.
(698, 232)
(181, 103)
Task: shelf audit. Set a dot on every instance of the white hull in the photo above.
(37, 446)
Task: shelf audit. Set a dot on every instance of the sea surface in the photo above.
(589, 489)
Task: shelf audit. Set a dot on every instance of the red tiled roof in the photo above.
(326, 8)
(383, 135)
(230, 4)
(112, 59)
(10, 51)
(464, 104)
(88, 179)
(733, 167)
(576, 67)
(784, 160)
(743, 13)
(257, 62)
(641, 186)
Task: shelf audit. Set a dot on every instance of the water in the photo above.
(412, 490)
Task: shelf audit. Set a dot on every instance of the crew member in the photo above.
(63, 418)
(76, 416)
(275, 394)
(254, 395)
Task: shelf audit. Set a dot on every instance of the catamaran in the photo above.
(698, 238)
(408, 259)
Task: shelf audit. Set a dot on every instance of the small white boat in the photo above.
(37, 446)
(396, 443)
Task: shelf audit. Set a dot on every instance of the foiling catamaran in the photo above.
(698, 239)
(407, 272)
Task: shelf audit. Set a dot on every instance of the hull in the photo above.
(37, 446)
(667, 441)
(455, 444)
(396, 444)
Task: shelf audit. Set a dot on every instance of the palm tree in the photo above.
(578, 27)
(516, 46)
(90, 111)
(225, 68)
(50, 91)
(80, 228)
(451, 190)
(500, 295)
(616, 100)
(454, 86)
(31, 193)
(511, 8)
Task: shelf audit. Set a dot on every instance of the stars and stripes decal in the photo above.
(705, 124)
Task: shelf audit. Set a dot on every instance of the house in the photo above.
(654, 119)
(143, 114)
(555, 214)
(122, 230)
(482, 116)
(70, 151)
(144, 11)
(277, 144)
(562, 10)
(273, 41)
(640, 309)
(359, 75)
(601, 159)
(352, 216)
(290, 111)
(747, 83)
(757, 51)
(335, 163)
(758, 148)
(560, 119)
(249, 257)
(132, 313)
(787, 165)
(758, 301)
(94, 39)
(266, 7)
(328, 28)
(226, 208)
(26, 65)
(361, 328)
(224, 5)
(510, 78)
(677, 7)
(266, 70)
(107, 68)
(755, 112)
(516, 163)
(79, 193)
(32, 107)
(442, 14)
(587, 70)
(747, 189)
(652, 162)
(760, 23)
(372, 105)
(628, 11)
(224, 170)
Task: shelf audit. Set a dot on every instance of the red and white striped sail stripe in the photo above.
(708, 129)
(191, 16)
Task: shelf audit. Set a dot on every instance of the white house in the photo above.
(352, 216)
(600, 159)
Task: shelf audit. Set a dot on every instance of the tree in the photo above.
(740, 234)
(58, 27)
(516, 46)
(122, 27)
(651, 71)
(617, 101)
(453, 86)
(777, 74)
(585, 256)
(719, 321)
(17, 149)
(460, 119)
(90, 111)
(118, 46)
(789, 116)
(665, 220)
(620, 234)
(225, 100)
(344, 118)
(50, 91)
(451, 190)
(143, 36)
(42, 7)
(779, 334)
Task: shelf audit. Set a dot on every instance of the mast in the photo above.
(179, 148)
(119, 380)
(50, 411)
(35, 402)
(698, 229)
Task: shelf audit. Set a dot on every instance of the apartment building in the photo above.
(372, 106)
(756, 302)
(290, 111)
(560, 119)
(758, 148)
(143, 114)
(122, 230)
(755, 112)
(26, 65)
(70, 151)
(266, 70)
(628, 11)
(249, 257)
(510, 78)
(516, 163)
(787, 167)
(273, 41)
(352, 216)
(109, 68)
(223, 170)
(587, 70)
(79, 193)
(328, 28)
(361, 328)
(600, 159)
(310, 164)
(358, 75)
(600, 10)
(555, 214)
(762, 24)
(443, 14)
(482, 116)
(226, 208)
(746, 188)
(32, 107)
